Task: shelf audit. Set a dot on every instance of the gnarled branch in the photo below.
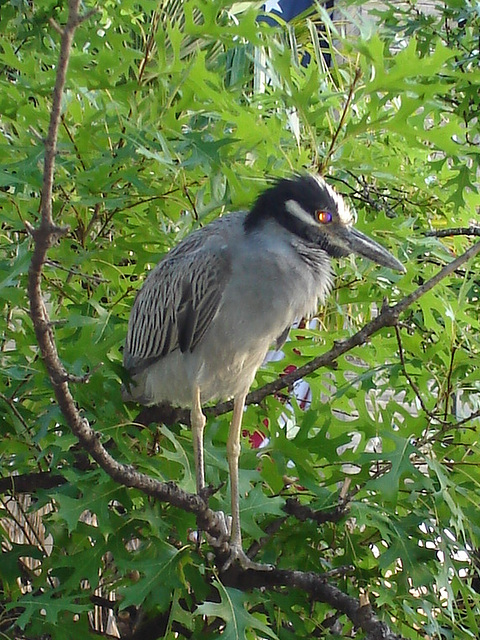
(44, 236)
(387, 317)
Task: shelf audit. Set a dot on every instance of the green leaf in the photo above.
(175, 113)
(158, 565)
(100, 495)
(232, 610)
(46, 606)
(398, 453)
(257, 505)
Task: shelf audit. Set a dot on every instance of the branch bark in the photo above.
(459, 231)
(31, 482)
(302, 512)
(318, 588)
(388, 317)
(44, 236)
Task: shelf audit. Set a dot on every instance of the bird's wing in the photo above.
(178, 302)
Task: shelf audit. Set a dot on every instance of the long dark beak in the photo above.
(358, 242)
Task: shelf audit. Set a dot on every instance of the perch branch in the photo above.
(317, 587)
(44, 236)
(388, 317)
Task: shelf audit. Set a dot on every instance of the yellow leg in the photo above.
(198, 421)
(233, 454)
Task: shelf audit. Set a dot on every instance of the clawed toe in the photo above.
(224, 524)
(237, 554)
(223, 543)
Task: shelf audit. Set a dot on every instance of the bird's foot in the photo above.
(224, 526)
(237, 554)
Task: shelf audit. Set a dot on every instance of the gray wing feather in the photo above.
(282, 338)
(178, 301)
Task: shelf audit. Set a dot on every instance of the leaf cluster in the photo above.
(170, 118)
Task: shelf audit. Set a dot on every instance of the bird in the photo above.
(208, 313)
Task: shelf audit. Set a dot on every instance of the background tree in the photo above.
(365, 493)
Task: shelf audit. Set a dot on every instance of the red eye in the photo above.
(323, 216)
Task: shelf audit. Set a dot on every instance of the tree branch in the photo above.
(323, 165)
(30, 482)
(460, 231)
(317, 586)
(388, 317)
(303, 512)
(412, 383)
(44, 236)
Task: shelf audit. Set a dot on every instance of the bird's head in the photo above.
(310, 208)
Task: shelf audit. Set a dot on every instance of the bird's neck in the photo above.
(279, 239)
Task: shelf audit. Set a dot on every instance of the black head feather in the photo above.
(311, 194)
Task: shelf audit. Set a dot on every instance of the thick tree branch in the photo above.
(44, 236)
(317, 587)
(30, 482)
(387, 317)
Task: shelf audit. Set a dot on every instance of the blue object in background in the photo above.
(286, 10)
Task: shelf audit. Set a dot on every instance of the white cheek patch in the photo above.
(299, 212)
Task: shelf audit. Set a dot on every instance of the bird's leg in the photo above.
(198, 421)
(233, 454)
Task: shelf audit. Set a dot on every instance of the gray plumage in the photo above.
(207, 314)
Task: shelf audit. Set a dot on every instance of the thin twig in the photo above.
(72, 271)
(148, 46)
(460, 231)
(24, 521)
(449, 382)
(472, 416)
(412, 383)
(324, 164)
(446, 427)
(12, 404)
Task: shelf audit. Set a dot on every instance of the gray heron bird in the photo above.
(207, 314)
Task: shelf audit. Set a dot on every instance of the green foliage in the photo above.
(161, 132)
(231, 609)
